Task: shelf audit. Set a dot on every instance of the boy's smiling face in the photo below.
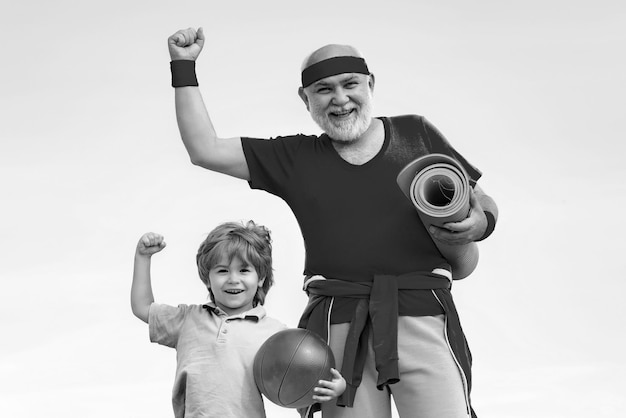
(234, 285)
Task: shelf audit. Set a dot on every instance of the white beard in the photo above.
(345, 130)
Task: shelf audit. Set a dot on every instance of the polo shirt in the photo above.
(214, 357)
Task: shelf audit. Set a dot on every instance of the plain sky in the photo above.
(532, 92)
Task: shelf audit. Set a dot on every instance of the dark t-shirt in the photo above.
(355, 220)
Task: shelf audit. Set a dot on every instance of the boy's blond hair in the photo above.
(249, 242)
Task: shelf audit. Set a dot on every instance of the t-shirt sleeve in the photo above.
(165, 323)
(270, 161)
(439, 144)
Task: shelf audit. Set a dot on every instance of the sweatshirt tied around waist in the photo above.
(377, 306)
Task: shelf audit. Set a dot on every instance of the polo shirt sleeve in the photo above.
(165, 323)
(271, 161)
(439, 144)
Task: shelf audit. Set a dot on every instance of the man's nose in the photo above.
(340, 97)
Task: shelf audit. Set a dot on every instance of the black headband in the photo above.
(333, 66)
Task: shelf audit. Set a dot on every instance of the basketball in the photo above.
(289, 365)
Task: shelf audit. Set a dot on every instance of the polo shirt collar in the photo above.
(255, 314)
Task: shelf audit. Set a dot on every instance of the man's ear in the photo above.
(371, 82)
(304, 97)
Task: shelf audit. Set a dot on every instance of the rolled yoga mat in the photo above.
(439, 188)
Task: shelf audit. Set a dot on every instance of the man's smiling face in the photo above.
(341, 105)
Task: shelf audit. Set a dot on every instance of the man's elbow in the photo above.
(209, 164)
(201, 161)
(195, 160)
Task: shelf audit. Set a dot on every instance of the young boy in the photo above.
(216, 342)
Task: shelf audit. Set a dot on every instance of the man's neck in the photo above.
(364, 148)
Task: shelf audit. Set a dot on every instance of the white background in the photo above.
(531, 92)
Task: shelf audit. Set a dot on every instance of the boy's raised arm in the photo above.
(205, 148)
(141, 290)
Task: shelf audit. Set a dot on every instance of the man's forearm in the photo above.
(491, 213)
(194, 123)
(205, 149)
(488, 205)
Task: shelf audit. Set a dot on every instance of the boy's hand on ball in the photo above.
(327, 390)
(150, 243)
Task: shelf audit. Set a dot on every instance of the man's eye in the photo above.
(323, 90)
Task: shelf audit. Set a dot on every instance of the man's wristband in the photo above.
(491, 225)
(183, 73)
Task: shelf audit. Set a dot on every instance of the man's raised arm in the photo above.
(205, 148)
